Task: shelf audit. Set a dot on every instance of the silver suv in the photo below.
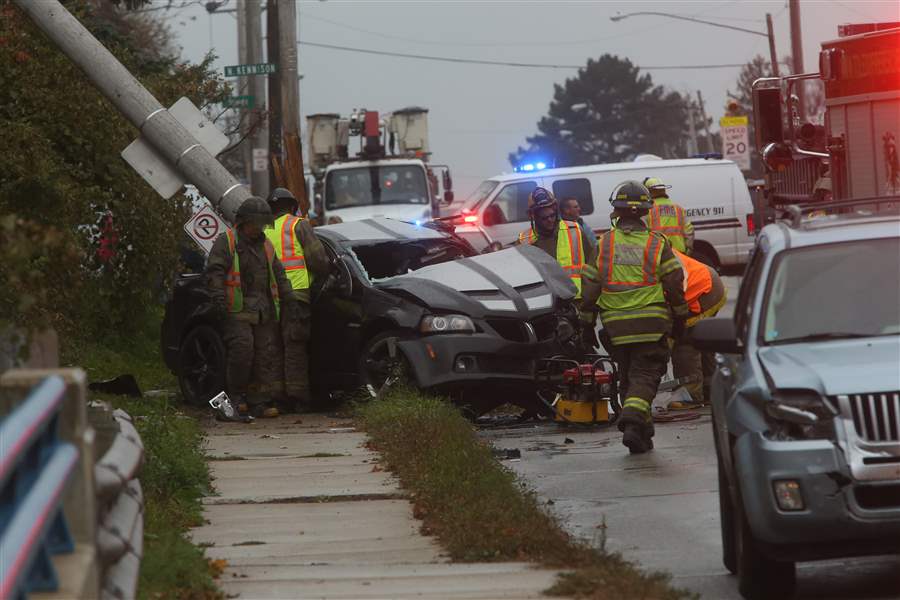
(806, 399)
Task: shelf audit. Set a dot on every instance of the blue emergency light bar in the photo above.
(528, 167)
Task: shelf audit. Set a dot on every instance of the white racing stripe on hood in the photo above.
(511, 266)
(545, 301)
(358, 230)
(454, 275)
(499, 305)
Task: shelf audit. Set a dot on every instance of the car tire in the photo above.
(726, 517)
(378, 371)
(201, 365)
(760, 577)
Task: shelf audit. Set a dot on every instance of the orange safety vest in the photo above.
(667, 218)
(569, 250)
(234, 295)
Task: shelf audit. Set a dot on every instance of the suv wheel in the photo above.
(201, 365)
(759, 577)
(726, 516)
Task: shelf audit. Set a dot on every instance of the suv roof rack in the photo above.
(798, 212)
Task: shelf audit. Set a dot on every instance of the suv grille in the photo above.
(543, 328)
(876, 416)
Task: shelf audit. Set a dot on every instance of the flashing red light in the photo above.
(470, 218)
(751, 225)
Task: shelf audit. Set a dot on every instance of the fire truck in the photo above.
(832, 135)
(389, 175)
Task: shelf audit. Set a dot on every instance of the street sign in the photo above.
(239, 102)
(736, 140)
(204, 227)
(260, 159)
(257, 69)
(159, 172)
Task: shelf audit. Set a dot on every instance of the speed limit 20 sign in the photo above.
(204, 227)
(736, 141)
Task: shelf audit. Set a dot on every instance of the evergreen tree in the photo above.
(609, 112)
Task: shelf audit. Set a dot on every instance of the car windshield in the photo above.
(389, 259)
(834, 291)
(368, 186)
(480, 194)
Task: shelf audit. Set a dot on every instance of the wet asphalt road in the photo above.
(661, 509)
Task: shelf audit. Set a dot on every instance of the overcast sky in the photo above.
(479, 113)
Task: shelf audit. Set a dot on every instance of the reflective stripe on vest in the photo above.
(667, 218)
(234, 295)
(628, 264)
(569, 250)
(289, 250)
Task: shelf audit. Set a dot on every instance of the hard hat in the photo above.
(655, 183)
(278, 194)
(541, 198)
(631, 194)
(254, 210)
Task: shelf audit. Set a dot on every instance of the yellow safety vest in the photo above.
(569, 250)
(632, 303)
(234, 295)
(667, 218)
(289, 250)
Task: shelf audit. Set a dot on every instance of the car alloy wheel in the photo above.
(201, 365)
(383, 364)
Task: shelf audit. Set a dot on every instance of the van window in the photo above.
(510, 205)
(580, 189)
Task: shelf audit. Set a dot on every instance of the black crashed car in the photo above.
(403, 299)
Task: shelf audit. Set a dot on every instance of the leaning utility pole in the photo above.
(167, 136)
(290, 102)
(709, 142)
(259, 172)
(694, 146)
(773, 56)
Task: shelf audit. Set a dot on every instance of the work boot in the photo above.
(242, 407)
(637, 430)
(636, 439)
(266, 410)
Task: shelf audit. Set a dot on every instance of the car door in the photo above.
(337, 326)
(507, 213)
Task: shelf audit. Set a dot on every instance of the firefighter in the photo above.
(705, 295)
(636, 285)
(668, 218)
(563, 240)
(303, 257)
(249, 288)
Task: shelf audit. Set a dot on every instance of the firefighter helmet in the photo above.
(631, 195)
(254, 210)
(655, 184)
(541, 198)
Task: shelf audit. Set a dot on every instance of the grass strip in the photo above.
(174, 476)
(480, 511)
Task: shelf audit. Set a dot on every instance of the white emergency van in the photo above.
(713, 193)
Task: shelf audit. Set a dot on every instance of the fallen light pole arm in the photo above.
(163, 132)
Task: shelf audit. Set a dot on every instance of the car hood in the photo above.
(517, 282)
(401, 212)
(858, 366)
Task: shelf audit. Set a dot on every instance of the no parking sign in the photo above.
(204, 227)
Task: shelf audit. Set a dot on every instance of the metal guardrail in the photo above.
(35, 467)
(120, 501)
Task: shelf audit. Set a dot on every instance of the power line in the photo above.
(469, 44)
(497, 62)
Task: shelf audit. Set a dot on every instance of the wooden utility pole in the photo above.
(773, 56)
(244, 115)
(796, 37)
(709, 142)
(692, 129)
(274, 80)
(290, 102)
(259, 172)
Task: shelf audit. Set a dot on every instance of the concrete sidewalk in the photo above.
(304, 511)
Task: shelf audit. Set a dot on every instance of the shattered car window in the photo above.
(389, 259)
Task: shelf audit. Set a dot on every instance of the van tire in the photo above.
(706, 256)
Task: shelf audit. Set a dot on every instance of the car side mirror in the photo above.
(715, 335)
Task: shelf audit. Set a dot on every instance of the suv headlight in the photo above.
(800, 415)
(446, 324)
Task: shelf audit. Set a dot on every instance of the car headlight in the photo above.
(801, 415)
(446, 324)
